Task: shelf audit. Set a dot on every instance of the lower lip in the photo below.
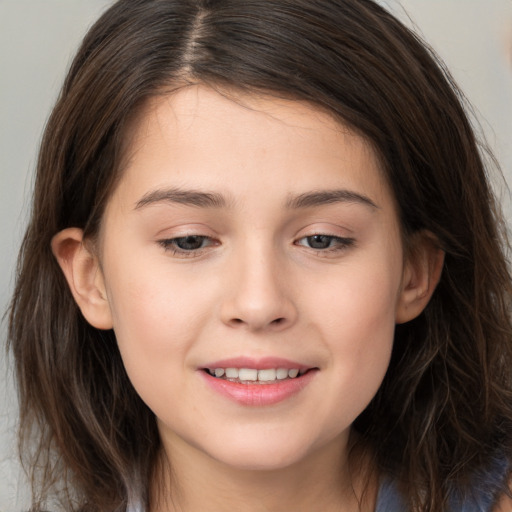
(258, 395)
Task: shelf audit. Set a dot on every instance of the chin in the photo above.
(266, 455)
(261, 462)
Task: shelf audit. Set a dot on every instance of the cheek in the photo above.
(156, 318)
(357, 320)
(360, 302)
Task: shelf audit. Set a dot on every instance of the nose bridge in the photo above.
(258, 297)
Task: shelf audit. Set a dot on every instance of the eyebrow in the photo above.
(202, 199)
(324, 197)
(180, 196)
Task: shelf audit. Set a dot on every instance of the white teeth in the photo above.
(232, 373)
(246, 374)
(251, 374)
(282, 373)
(267, 375)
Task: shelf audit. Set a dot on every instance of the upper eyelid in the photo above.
(187, 235)
(295, 238)
(182, 229)
(340, 232)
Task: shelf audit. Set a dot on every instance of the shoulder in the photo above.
(486, 494)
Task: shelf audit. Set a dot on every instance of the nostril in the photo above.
(278, 321)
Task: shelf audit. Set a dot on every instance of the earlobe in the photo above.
(83, 274)
(421, 275)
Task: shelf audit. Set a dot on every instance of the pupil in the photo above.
(319, 241)
(189, 243)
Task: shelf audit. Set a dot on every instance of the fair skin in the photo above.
(505, 504)
(258, 229)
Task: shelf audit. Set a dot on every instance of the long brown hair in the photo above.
(444, 411)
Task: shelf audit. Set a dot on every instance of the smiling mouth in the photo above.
(254, 376)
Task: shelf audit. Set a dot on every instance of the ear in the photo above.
(84, 276)
(422, 271)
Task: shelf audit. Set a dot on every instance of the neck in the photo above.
(323, 481)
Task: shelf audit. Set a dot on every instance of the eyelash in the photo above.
(171, 244)
(336, 244)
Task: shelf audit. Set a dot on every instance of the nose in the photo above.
(258, 296)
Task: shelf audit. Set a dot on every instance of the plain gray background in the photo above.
(37, 41)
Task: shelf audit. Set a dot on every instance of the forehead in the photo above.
(234, 141)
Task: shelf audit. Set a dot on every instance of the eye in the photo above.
(189, 245)
(322, 242)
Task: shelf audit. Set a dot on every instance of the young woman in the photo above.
(265, 271)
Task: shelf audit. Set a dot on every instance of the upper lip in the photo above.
(264, 363)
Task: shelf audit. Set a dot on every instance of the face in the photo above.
(251, 239)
